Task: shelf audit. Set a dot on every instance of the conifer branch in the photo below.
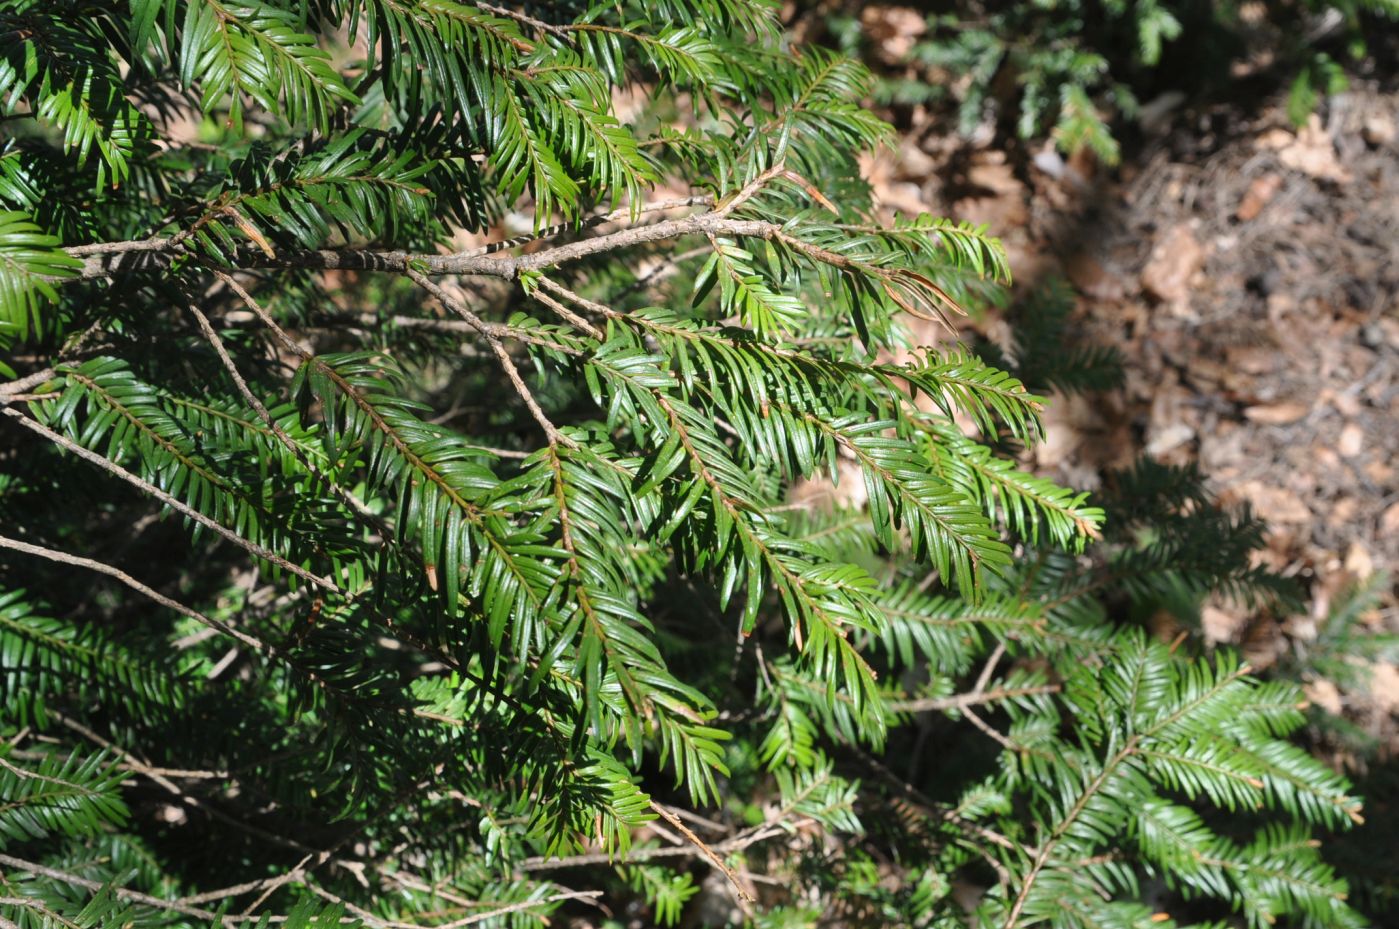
(162, 779)
(469, 264)
(521, 635)
(349, 499)
(537, 24)
(113, 468)
(1089, 791)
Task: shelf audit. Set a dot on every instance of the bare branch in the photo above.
(728, 205)
(469, 263)
(591, 306)
(369, 918)
(565, 313)
(626, 212)
(156, 244)
(977, 696)
(738, 843)
(984, 677)
(133, 896)
(991, 731)
(744, 897)
(11, 391)
(974, 698)
(287, 341)
(58, 557)
(507, 364)
(521, 907)
(537, 24)
(38, 907)
(270, 887)
(103, 259)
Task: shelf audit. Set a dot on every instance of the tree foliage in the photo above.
(350, 574)
(1078, 73)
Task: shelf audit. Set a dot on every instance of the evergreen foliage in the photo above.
(1074, 71)
(351, 576)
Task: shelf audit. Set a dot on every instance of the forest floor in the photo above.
(1249, 275)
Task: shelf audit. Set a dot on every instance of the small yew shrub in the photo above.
(1076, 71)
(349, 575)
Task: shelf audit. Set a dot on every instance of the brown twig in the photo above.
(507, 364)
(962, 701)
(744, 897)
(989, 668)
(538, 24)
(132, 896)
(266, 318)
(566, 314)
(625, 212)
(591, 306)
(737, 843)
(470, 263)
(728, 205)
(155, 244)
(11, 391)
(978, 695)
(270, 886)
(58, 557)
(991, 731)
(29, 903)
(101, 259)
(520, 907)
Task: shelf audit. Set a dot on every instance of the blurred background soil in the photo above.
(1248, 272)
